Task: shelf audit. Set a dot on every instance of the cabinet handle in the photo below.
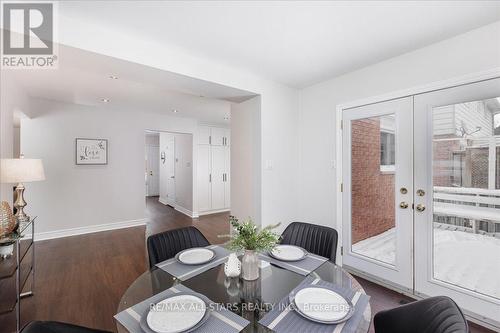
(209, 139)
(210, 178)
(224, 141)
(223, 177)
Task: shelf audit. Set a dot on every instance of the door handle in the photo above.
(172, 177)
(420, 207)
(403, 205)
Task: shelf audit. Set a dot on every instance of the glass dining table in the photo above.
(249, 299)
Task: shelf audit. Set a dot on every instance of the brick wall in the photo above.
(373, 205)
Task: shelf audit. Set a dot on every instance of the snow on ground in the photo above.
(465, 259)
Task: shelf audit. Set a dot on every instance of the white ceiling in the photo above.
(84, 78)
(295, 43)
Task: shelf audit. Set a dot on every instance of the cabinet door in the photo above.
(203, 135)
(227, 136)
(217, 136)
(218, 170)
(227, 183)
(203, 178)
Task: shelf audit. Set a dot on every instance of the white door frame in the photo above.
(456, 81)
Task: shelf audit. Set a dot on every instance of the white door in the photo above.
(377, 190)
(218, 164)
(203, 177)
(457, 176)
(170, 169)
(227, 180)
(152, 173)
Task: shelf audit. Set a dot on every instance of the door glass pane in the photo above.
(373, 159)
(466, 201)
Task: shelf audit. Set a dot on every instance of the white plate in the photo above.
(195, 256)
(176, 314)
(322, 305)
(288, 253)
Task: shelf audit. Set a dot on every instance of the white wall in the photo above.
(475, 51)
(184, 171)
(245, 158)
(12, 100)
(84, 196)
(279, 106)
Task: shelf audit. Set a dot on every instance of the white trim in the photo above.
(166, 202)
(40, 236)
(208, 212)
(185, 211)
(465, 79)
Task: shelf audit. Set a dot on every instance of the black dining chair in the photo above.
(167, 244)
(432, 315)
(314, 238)
(57, 327)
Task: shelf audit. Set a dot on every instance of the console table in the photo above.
(17, 276)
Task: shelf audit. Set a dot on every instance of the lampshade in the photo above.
(21, 170)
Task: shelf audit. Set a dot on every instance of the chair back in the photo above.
(432, 315)
(314, 238)
(167, 244)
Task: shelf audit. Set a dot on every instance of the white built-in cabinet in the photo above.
(213, 174)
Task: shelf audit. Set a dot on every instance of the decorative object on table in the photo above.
(21, 170)
(91, 151)
(232, 267)
(7, 221)
(250, 238)
(195, 256)
(288, 253)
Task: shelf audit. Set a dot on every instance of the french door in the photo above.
(421, 194)
(378, 190)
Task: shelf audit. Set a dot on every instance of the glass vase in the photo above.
(250, 265)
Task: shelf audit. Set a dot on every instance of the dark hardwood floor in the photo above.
(81, 279)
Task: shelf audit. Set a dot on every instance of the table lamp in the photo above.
(21, 170)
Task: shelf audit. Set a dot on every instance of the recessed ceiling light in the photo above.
(226, 117)
(113, 77)
(105, 100)
(175, 111)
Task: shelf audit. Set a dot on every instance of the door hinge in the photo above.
(341, 187)
(341, 250)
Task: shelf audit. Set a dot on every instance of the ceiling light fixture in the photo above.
(175, 111)
(105, 100)
(113, 77)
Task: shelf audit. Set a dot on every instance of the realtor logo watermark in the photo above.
(27, 35)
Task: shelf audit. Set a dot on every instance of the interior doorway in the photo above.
(152, 166)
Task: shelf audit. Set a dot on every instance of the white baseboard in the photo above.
(87, 230)
(214, 211)
(186, 211)
(166, 201)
